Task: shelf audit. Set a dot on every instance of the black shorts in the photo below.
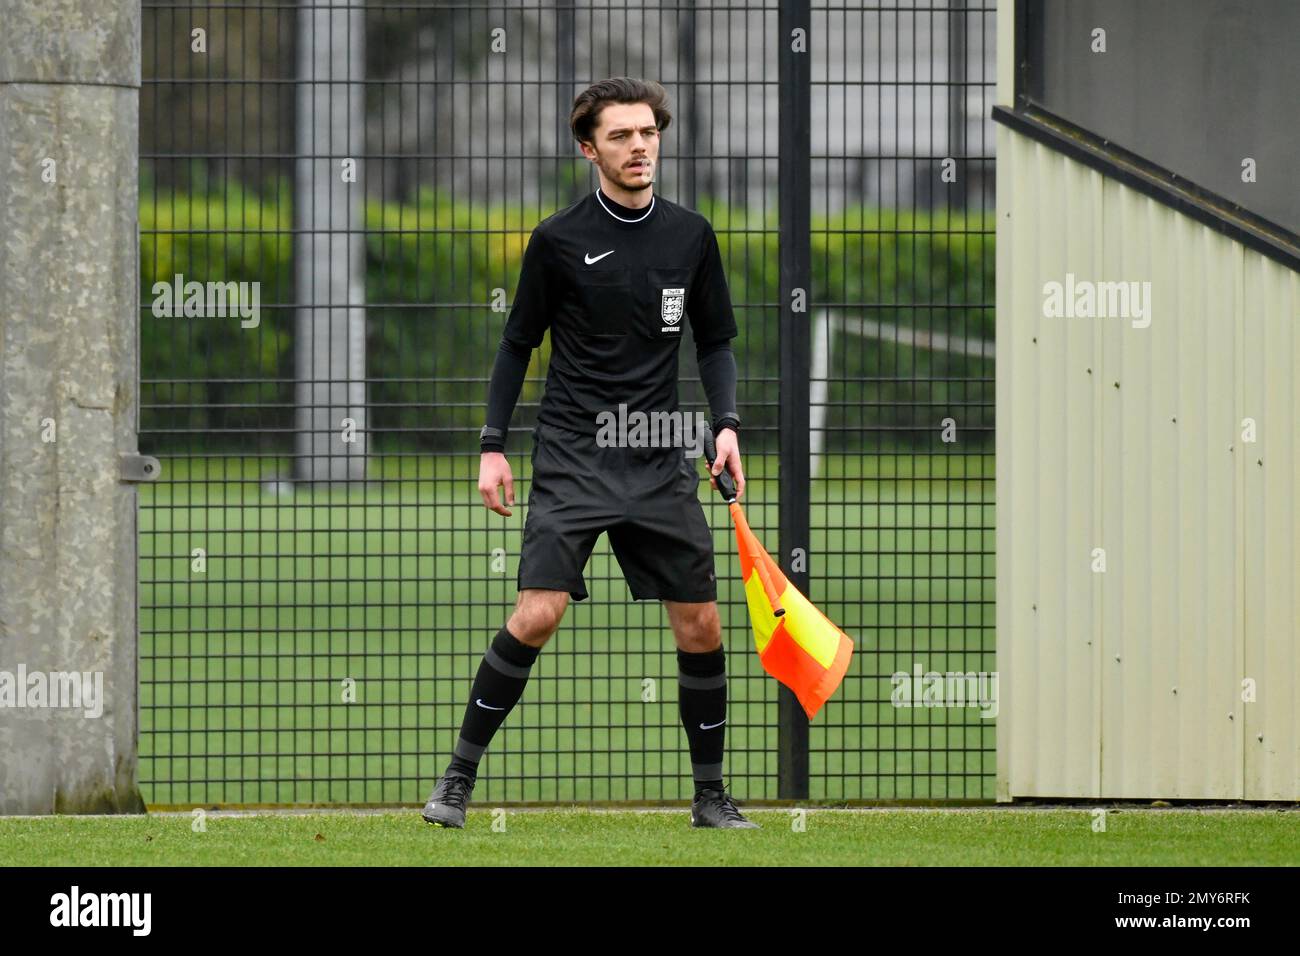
(647, 499)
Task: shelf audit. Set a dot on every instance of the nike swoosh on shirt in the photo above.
(711, 726)
(589, 260)
(479, 701)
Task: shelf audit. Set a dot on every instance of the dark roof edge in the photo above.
(1222, 215)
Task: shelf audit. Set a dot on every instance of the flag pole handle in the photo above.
(773, 598)
(726, 484)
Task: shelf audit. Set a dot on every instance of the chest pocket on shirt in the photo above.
(663, 301)
(606, 300)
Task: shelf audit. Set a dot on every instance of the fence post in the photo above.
(957, 70)
(70, 288)
(795, 187)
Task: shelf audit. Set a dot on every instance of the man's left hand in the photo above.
(728, 456)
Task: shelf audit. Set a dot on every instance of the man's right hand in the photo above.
(493, 472)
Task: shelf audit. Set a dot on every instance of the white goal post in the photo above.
(828, 324)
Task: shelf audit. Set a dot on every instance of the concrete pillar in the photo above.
(69, 289)
(329, 249)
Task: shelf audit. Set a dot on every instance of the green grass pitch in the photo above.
(568, 837)
(400, 585)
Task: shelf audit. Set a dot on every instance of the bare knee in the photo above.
(696, 626)
(537, 614)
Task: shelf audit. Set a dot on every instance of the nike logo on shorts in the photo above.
(589, 260)
(479, 701)
(711, 726)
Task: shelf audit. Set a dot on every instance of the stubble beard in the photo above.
(639, 181)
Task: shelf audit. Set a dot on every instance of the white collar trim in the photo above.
(620, 218)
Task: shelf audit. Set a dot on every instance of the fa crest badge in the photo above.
(671, 306)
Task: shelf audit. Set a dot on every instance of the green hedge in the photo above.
(432, 268)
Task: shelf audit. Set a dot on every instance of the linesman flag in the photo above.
(797, 644)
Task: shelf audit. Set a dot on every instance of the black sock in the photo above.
(498, 685)
(702, 700)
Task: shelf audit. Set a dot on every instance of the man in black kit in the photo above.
(611, 276)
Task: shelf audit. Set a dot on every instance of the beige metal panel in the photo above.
(1009, 533)
(1044, 508)
(1127, 683)
(1046, 482)
(1271, 394)
(1160, 347)
(1015, 480)
(1073, 488)
(1006, 52)
(1155, 666)
(1123, 383)
(1204, 635)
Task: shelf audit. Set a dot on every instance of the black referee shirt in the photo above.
(616, 287)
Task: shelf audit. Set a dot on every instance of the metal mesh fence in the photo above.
(901, 517)
(334, 201)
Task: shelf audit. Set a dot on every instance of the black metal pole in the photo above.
(570, 188)
(957, 87)
(688, 151)
(795, 188)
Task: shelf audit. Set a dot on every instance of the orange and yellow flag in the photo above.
(797, 644)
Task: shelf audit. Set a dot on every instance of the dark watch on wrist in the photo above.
(729, 420)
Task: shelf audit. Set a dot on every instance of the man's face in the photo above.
(625, 145)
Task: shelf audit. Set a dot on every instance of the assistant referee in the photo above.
(612, 276)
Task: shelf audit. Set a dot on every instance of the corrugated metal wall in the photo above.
(1128, 683)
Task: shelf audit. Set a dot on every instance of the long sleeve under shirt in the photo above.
(615, 287)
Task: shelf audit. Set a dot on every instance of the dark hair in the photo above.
(617, 89)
